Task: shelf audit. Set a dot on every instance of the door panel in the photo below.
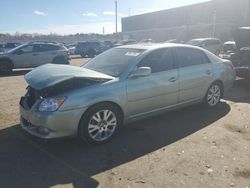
(151, 93)
(194, 82)
(195, 74)
(159, 90)
(25, 58)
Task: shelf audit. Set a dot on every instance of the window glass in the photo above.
(158, 60)
(189, 57)
(27, 49)
(114, 61)
(45, 47)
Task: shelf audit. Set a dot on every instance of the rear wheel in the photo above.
(83, 54)
(91, 53)
(213, 95)
(5, 67)
(60, 60)
(100, 123)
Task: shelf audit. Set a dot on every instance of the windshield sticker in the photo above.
(134, 54)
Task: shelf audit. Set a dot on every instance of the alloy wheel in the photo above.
(102, 125)
(213, 95)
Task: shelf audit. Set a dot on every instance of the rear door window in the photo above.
(190, 57)
(45, 47)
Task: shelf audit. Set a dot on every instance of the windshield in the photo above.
(113, 62)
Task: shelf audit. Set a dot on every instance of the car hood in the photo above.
(50, 75)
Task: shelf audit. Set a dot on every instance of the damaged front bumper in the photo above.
(48, 125)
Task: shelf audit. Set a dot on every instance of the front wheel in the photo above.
(5, 68)
(213, 95)
(100, 123)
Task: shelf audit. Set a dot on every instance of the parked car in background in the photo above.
(90, 49)
(229, 46)
(125, 42)
(147, 41)
(108, 44)
(10, 45)
(119, 86)
(72, 49)
(129, 42)
(177, 41)
(1, 48)
(241, 55)
(33, 54)
(213, 45)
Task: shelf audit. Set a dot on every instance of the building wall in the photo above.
(190, 21)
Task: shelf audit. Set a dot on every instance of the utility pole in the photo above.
(103, 30)
(116, 37)
(214, 22)
(129, 11)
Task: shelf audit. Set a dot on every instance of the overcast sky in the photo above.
(74, 16)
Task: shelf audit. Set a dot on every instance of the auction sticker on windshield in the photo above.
(134, 54)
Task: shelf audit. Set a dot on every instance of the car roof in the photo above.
(38, 42)
(203, 39)
(152, 46)
(230, 42)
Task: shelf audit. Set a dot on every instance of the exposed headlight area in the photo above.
(51, 104)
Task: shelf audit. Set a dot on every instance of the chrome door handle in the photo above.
(173, 79)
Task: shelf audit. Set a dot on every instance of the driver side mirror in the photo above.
(141, 72)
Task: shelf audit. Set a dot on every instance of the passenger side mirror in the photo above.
(141, 72)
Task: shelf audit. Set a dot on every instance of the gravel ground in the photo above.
(192, 147)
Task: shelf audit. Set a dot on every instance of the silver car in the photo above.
(33, 54)
(213, 45)
(118, 86)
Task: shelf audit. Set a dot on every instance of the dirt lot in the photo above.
(193, 147)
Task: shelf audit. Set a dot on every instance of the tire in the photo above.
(94, 128)
(5, 67)
(60, 60)
(91, 53)
(83, 55)
(213, 95)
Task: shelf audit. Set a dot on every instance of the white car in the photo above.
(33, 54)
(213, 45)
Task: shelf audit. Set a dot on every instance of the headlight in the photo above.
(51, 104)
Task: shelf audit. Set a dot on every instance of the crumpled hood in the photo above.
(50, 74)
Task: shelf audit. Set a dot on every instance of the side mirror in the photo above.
(141, 72)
